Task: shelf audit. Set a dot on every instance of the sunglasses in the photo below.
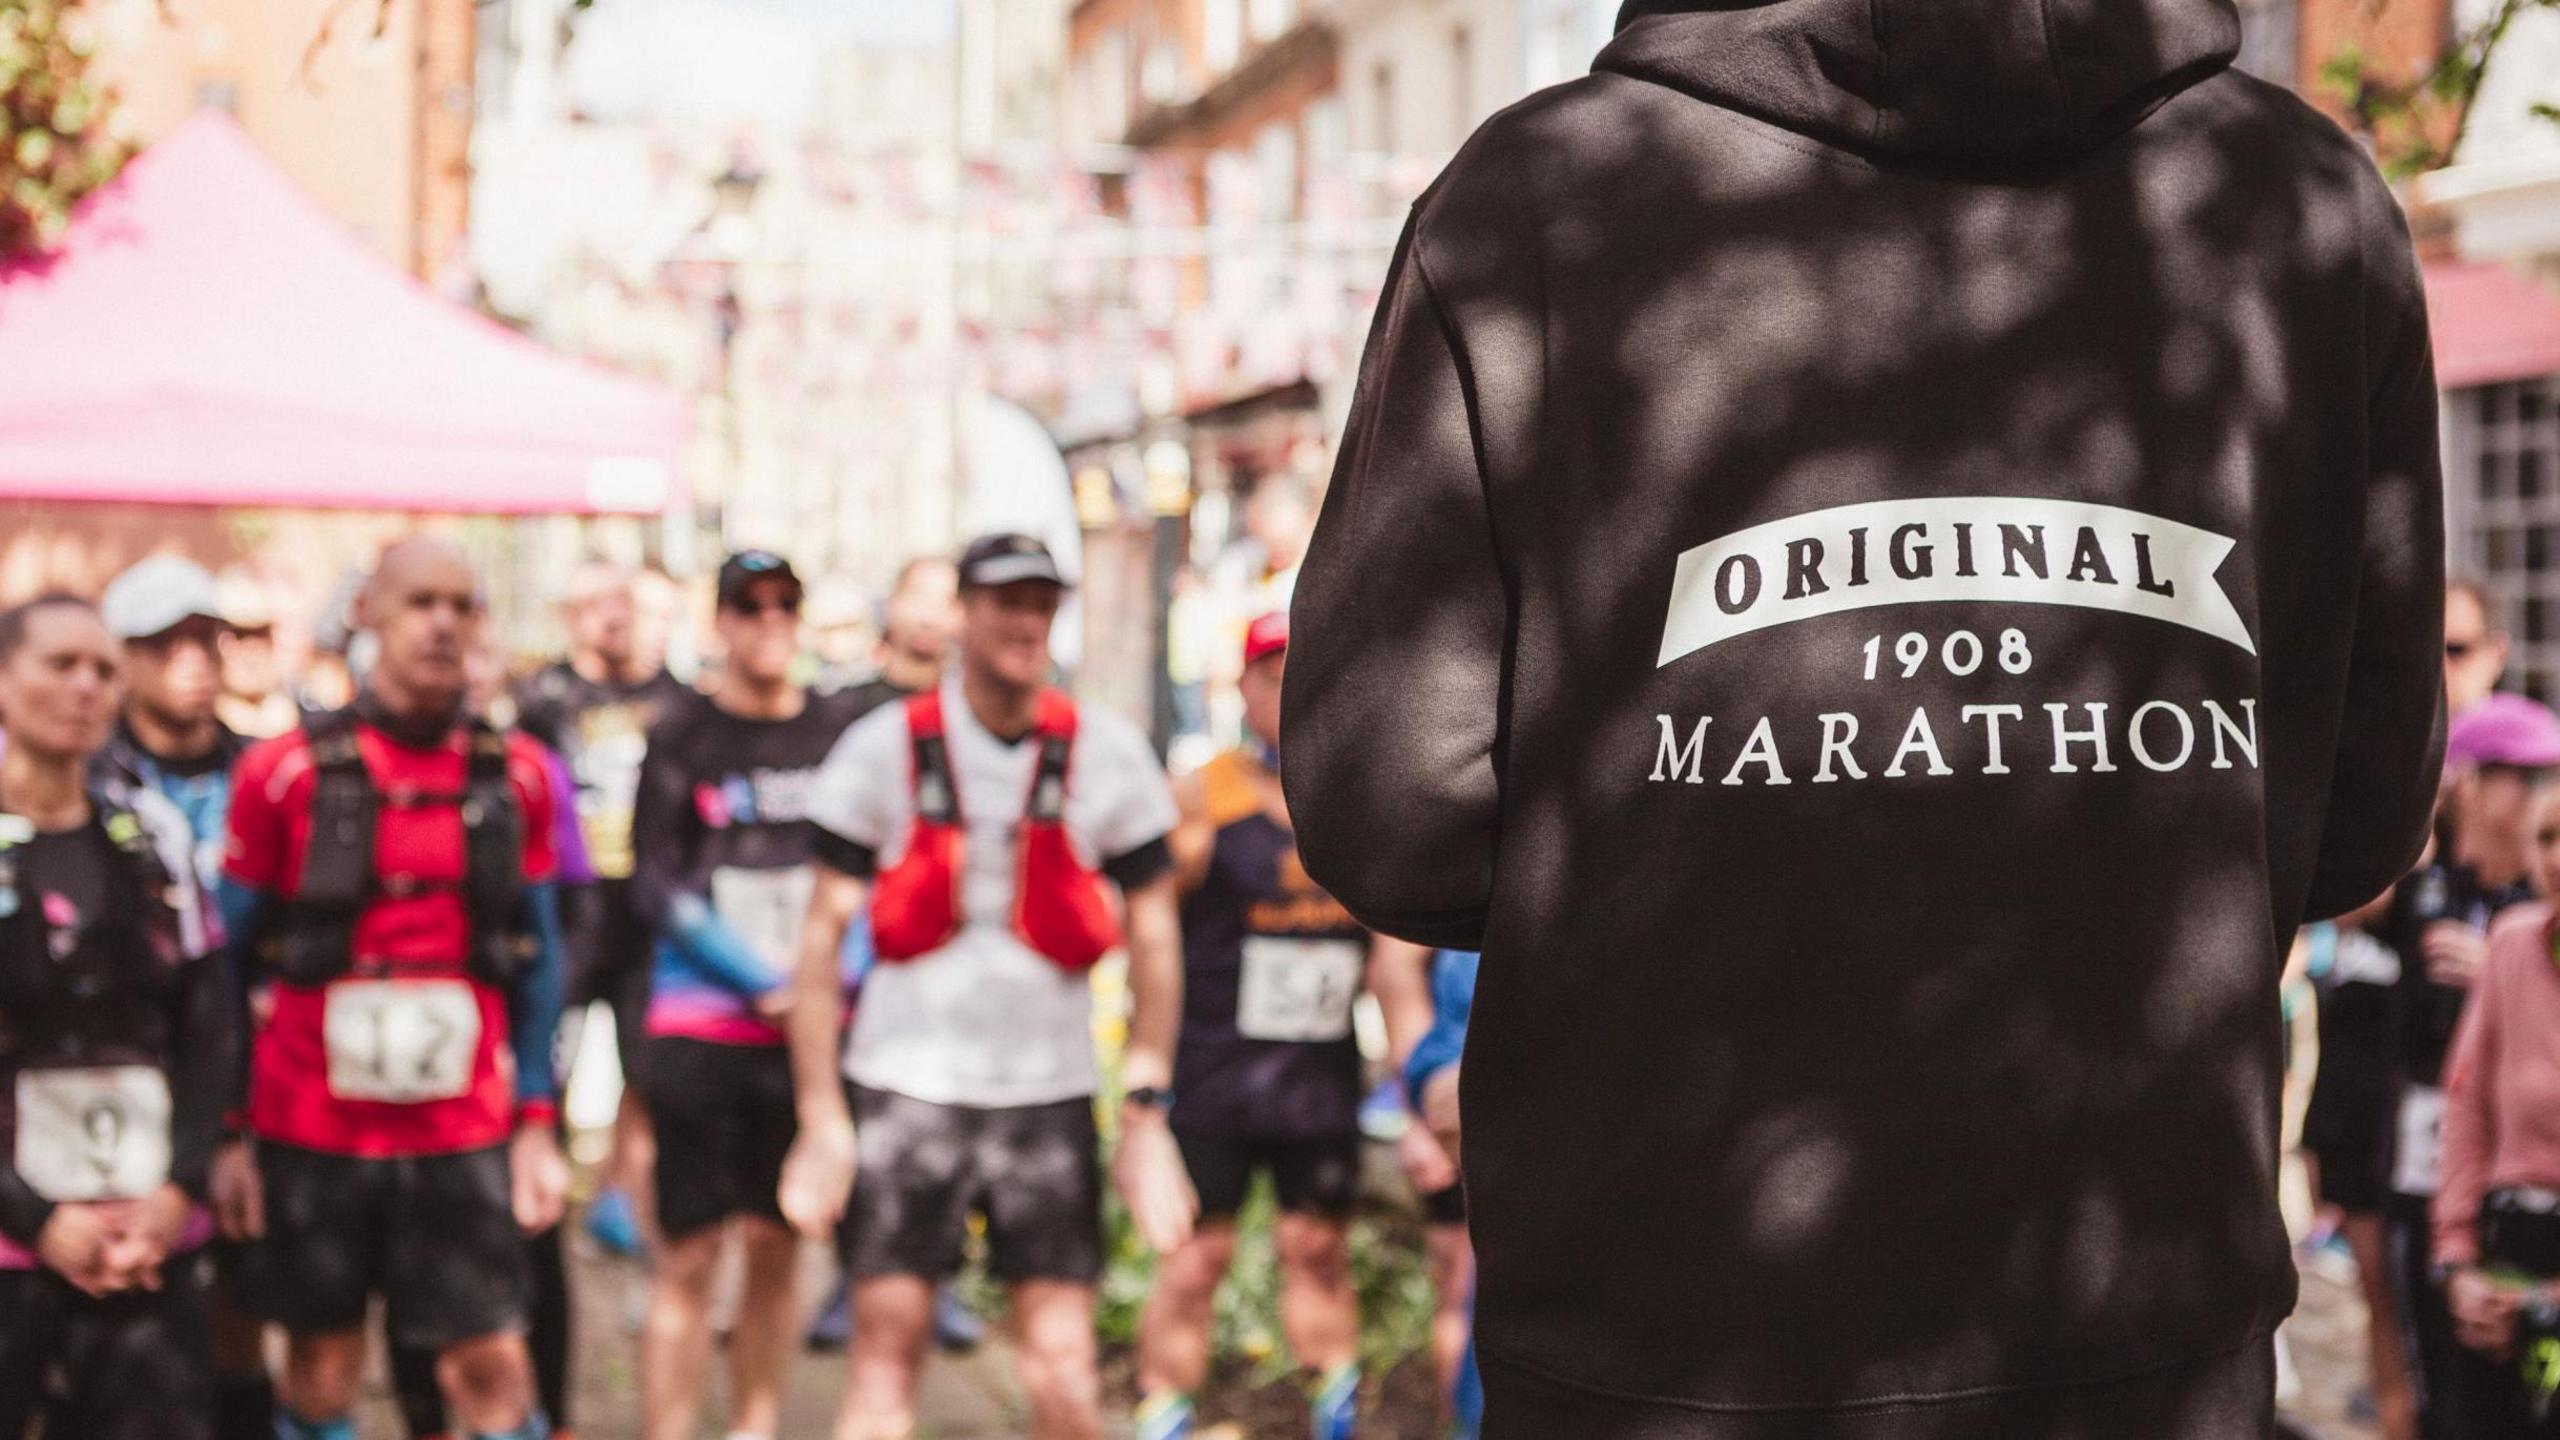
(756, 609)
(196, 630)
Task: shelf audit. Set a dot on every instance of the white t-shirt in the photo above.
(985, 1020)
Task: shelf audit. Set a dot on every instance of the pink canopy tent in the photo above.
(206, 335)
(2491, 323)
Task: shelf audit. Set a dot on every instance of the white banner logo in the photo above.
(1910, 552)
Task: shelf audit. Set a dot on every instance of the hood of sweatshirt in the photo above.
(1961, 82)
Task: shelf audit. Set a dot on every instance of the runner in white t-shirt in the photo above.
(971, 1062)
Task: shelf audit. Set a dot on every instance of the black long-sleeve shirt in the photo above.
(171, 1011)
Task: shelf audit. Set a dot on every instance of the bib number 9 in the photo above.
(93, 1134)
(1297, 990)
(401, 1042)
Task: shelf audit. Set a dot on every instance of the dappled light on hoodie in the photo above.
(1859, 529)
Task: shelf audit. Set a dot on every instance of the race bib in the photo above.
(1298, 990)
(610, 747)
(2415, 1169)
(401, 1042)
(95, 1134)
(765, 908)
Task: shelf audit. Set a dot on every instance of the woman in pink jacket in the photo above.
(2497, 1210)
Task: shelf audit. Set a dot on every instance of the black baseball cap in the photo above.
(747, 567)
(1004, 559)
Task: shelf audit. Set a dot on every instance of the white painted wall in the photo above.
(1410, 84)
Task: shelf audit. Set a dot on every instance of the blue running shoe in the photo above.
(1335, 1404)
(613, 1225)
(1164, 1417)
(956, 1328)
(832, 1331)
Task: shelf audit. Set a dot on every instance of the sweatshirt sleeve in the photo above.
(1399, 635)
(2391, 748)
(2470, 1114)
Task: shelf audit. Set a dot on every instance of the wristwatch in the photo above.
(1151, 1097)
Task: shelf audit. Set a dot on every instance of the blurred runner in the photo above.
(2498, 754)
(922, 615)
(547, 1334)
(170, 740)
(1267, 1077)
(254, 703)
(920, 618)
(1406, 980)
(168, 737)
(2347, 1126)
(2475, 646)
(390, 876)
(595, 708)
(2497, 1211)
(723, 854)
(1431, 1074)
(118, 1064)
(982, 820)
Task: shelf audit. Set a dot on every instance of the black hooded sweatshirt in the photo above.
(1886, 554)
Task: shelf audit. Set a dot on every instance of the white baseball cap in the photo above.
(158, 595)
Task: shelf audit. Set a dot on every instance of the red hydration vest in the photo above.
(1060, 908)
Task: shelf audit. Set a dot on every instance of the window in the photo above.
(1161, 78)
(1272, 18)
(1275, 166)
(2502, 497)
(1382, 104)
(1462, 82)
(1110, 78)
(1222, 35)
(2270, 33)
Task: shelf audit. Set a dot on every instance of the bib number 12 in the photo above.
(401, 1042)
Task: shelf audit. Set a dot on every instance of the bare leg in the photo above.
(1173, 1331)
(1319, 1306)
(488, 1384)
(675, 1349)
(635, 1163)
(1053, 1321)
(1453, 1272)
(321, 1373)
(2395, 1395)
(891, 1317)
(767, 1326)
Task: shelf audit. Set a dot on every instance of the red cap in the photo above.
(1266, 636)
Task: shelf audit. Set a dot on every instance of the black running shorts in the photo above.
(136, 1366)
(1318, 1176)
(725, 1118)
(435, 1236)
(1033, 1171)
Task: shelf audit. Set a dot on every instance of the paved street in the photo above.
(973, 1398)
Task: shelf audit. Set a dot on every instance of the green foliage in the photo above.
(1389, 1265)
(54, 146)
(2417, 124)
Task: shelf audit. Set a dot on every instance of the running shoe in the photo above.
(956, 1328)
(832, 1331)
(1335, 1404)
(1164, 1417)
(613, 1225)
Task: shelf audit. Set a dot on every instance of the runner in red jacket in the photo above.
(389, 879)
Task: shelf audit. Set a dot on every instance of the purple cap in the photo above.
(2504, 730)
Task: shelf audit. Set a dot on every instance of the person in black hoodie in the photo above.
(1886, 554)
